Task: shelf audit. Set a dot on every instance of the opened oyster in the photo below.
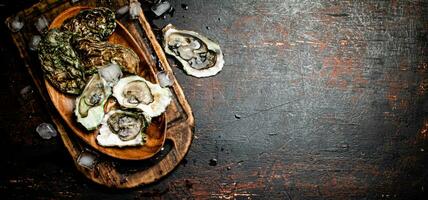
(121, 128)
(97, 54)
(199, 56)
(60, 63)
(89, 108)
(136, 92)
(98, 23)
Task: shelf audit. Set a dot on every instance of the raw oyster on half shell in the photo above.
(89, 108)
(199, 56)
(122, 128)
(136, 92)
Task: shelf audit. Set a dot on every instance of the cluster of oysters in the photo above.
(78, 60)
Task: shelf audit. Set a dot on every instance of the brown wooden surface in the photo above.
(105, 171)
(65, 103)
(331, 99)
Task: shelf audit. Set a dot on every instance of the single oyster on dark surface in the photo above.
(89, 108)
(122, 128)
(60, 63)
(199, 56)
(96, 54)
(98, 23)
(136, 92)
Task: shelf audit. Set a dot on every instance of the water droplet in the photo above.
(213, 162)
(184, 6)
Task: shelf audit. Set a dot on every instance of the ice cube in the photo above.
(161, 8)
(87, 159)
(16, 24)
(111, 74)
(34, 43)
(46, 131)
(122, 10)
(135, 9)
(164, 79)
(42, 24)
(26, 92)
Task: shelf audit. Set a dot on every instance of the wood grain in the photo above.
(105, 170)
(330, 99)
(65, 104)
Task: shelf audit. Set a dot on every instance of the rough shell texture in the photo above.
(98, 23)
(89, 108)
(199, 56)
(96, 54)
(60, 63)
(161, 96)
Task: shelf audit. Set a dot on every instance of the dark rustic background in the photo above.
(317, 100)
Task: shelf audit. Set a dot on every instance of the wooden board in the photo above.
(107, 170)
(65, 103)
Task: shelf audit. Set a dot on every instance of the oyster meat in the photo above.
(89, 108)
(96, 54)
(60, 63)
(137, 92)
(98, 23)
(122, 128)
(199, 56)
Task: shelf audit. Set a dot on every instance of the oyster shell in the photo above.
(96, 54)
(137, 92)
(122, 128)
(98, 23)
(199, 56)
(60, 63)
(89, 108)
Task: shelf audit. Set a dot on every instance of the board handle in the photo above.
(106, 174)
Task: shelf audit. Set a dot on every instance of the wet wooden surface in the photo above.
(317, 100)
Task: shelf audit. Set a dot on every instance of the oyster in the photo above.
(60, 63)
(89, 108)
(98, 23)
(199, 56)
(96, 54)
(137, 92)
(122, 128)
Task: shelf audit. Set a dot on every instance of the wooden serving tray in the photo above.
(107, 170)
(65, 103)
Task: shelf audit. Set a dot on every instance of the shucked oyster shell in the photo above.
(89, 108)
(136, 92)
(98, 23)
(60, 63)
(122, 128)
(96, 54)
(199, 56)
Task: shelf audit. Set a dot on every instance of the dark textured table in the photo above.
(317, 100)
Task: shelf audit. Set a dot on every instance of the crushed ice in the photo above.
(87, 159)
(122, 10)
(42, 24)
(26, 92)
(16, 24)
(34, 43)
(135, 9)
(46, 131)
(111, 74)
(161, 8)
(164, 79)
